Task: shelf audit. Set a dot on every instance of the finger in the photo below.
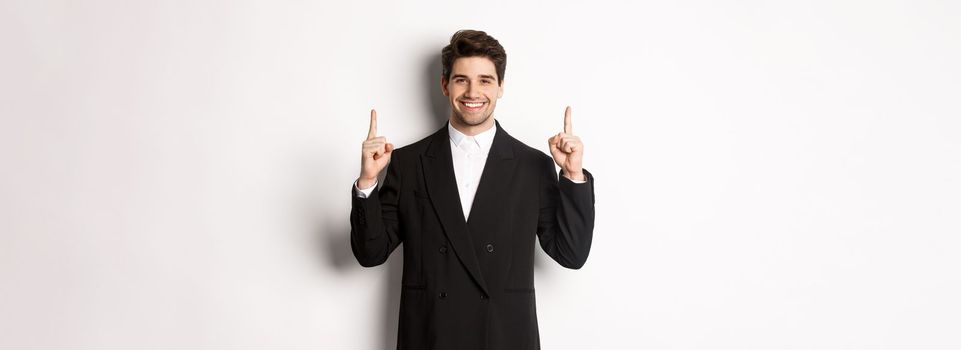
(571, 139)
(375, 148)
(377, 141)
(565, 145)
(555, 140)
(389, 148)
(567, 120)
(373, 125)
(571, 144)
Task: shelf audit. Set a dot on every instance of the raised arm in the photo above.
(373, 217)
(565, 224)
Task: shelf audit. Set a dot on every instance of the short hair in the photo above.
(474, 43)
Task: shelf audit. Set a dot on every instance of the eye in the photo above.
(486, 81)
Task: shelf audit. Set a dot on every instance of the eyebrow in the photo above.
(482, 76)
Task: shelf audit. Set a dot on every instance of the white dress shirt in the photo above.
(469, 155)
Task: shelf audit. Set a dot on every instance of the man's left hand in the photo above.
(567, 150)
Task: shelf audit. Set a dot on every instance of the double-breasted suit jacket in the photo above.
(469, 285)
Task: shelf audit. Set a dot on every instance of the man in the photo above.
(467, 203)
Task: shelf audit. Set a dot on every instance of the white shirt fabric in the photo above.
(469, 155)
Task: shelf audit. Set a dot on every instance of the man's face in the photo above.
(473, 90)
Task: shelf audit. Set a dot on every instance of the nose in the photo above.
(471, 92)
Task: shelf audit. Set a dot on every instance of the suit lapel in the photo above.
(489, 220)
(442, 190)
(497, 175)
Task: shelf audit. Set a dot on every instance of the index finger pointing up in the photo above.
(372, 133)
(567, 120)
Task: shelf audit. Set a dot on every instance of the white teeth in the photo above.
(473, 104)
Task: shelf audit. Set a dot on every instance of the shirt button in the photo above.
(490, 248)
(443, 250)
(442, 295)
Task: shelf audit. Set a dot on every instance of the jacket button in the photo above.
(483, 297)
(443, 250)
(442, 295)
(490, 248)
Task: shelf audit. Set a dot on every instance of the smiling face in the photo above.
(473, 90)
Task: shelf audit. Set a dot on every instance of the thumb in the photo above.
(552, 142)
(388, 148)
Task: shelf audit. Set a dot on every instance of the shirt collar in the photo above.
(484, 139)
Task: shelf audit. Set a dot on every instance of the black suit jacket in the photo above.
(470, 285)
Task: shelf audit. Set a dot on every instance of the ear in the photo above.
(443, 85)
(500, 89)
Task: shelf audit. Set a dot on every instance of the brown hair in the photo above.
(471, 43)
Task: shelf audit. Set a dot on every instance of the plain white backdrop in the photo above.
(770, 175)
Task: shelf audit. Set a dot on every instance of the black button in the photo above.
(490, 248)
(442, 295)
(443, 250)
(483, 297)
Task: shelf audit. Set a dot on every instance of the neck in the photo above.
(472, 130)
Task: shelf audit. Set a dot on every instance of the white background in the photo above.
(176, 174)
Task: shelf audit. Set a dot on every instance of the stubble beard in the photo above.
(467, 122)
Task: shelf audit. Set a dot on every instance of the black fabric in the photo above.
(470, 285)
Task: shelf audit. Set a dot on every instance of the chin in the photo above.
(472, 121)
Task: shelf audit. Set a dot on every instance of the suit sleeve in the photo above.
(565, 225)
(374, 228)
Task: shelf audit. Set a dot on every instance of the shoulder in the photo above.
(528, 154)
(531, 161)
(413, 150)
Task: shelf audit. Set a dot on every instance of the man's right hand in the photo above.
(375, 155)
